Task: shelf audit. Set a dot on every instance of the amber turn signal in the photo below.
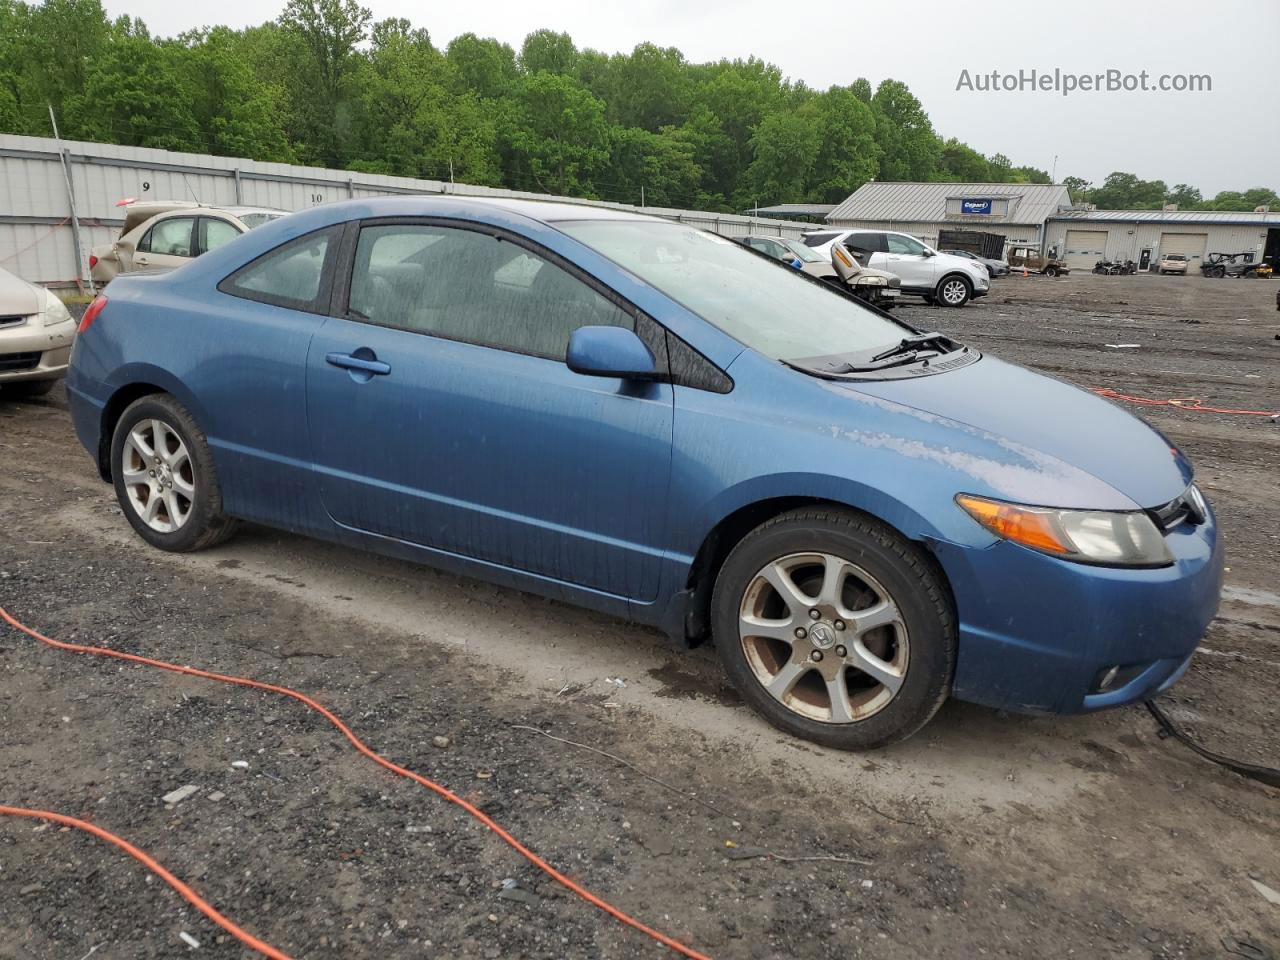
(1031, 528)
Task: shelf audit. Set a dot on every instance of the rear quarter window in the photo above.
(297, 274)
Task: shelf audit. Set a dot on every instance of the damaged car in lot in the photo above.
(165, 234)
(639, 417)
(842, 270)
(35, 338)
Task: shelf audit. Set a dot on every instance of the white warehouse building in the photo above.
(1042, 216)
(1015, 211)
(1083, 237)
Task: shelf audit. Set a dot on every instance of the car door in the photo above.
(442, 412)
(910, 260)
(213, 232)
(170, 242)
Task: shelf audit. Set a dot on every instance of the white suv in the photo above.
(938, 277)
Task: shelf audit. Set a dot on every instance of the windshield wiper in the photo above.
(934, 342)
(908, 350)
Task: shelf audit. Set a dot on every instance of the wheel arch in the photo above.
(137, 381)
(693, 624)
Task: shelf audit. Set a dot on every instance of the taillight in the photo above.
(93, 261)
(91, 314)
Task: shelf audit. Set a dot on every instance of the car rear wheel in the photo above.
(835, 629)
(1050, 271)
(953, 291)
(164, 477)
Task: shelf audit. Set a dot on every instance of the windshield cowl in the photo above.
(920, 355)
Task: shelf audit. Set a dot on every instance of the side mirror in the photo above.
(928, 253)
(610, 352)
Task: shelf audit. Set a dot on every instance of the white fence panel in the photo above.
(37, 241)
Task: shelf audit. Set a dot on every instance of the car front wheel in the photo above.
(953, 292)
(164, 477)
(835, 629)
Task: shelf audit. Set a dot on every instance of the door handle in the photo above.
(370, 365)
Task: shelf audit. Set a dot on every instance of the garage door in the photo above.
(1084, 248)
(1191, 245)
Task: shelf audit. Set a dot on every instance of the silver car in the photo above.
(995, 268)
(36, 331)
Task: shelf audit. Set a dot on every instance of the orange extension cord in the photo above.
(245, 938)
(1182, 403)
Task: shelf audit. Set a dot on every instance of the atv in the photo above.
(1234, 265)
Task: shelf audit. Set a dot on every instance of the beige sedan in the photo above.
(35, 338)
(165, 234)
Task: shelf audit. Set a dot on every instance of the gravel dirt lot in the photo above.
(987, 835)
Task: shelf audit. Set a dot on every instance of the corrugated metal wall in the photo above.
(37, 241)
(1126, 240)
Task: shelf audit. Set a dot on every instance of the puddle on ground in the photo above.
(678, 684)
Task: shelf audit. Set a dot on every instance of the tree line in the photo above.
(325, 84)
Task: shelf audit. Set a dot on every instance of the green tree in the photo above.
(910, 147)
(786, 149)
(486, 68)
(236, 115)
(1078, 188)
(661, 163)
(320, 39)
(409, 123)
(558, 138)
(134, 95)
(959, 162)
(545, 51)
(1185, 196)
(1125, 191)
(848, 156)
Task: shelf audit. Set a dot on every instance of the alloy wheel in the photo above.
(823, 637)
(954, 292)
(159, 477)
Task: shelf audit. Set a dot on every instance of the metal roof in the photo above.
(1208, 217)
(794, 209)
(927, 202)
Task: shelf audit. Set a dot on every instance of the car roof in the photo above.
(548, 211)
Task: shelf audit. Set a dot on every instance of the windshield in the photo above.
(252, 220)
(805, 254)
(778, 312)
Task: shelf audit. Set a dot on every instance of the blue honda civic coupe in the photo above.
(629, 414)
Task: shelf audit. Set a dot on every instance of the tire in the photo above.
(881, 571)
(1050, 271)
(29, 389)
(160, 462)
(953, 291)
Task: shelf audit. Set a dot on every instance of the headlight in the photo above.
(1109, 538)
(872, 282)
(55, 311)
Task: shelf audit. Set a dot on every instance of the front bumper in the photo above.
(32, 351)
(1037, 633)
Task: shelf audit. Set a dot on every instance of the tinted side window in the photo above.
(818, 239)
(169, 237)
(464, 285)
(904, 245)
(214, 233)
(292, 275)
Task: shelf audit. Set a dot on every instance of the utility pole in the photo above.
(65, 159)
(642, 194)
(1053, 177)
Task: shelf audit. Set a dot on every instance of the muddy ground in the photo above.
(987, 835)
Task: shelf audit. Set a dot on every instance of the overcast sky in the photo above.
(1224, 139)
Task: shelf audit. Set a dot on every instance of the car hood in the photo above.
(1034, 439)
(17, 297)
